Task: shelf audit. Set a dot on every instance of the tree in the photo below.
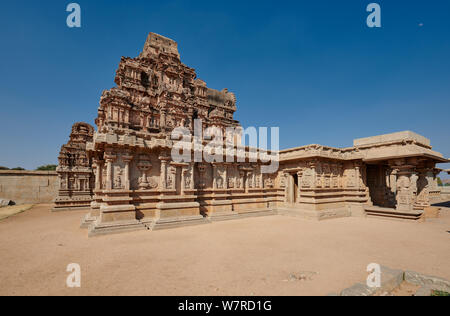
(4, 168)
(18, 168)
(47, 168)
(439, 181)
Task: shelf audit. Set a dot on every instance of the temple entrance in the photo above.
(381, 185)
(295, 176)
(292, 193)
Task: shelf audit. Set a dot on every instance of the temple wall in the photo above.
(321, 184)
(28, 187)
(445, 193)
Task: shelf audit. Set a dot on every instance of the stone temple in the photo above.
(130, 180)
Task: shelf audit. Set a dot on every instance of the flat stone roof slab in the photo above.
(386, 138)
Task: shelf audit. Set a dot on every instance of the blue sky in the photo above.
(313, 68)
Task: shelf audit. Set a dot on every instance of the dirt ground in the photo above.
(254, 256)
(8, 211)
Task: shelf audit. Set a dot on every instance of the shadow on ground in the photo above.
(443, 204)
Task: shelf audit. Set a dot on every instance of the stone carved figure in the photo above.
(118, 183)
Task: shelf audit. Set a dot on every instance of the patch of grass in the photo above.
(439, 293)
(9, 211)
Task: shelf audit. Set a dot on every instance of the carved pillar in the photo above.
(357, 175)
(313, 166)
(163, 176)
(191, 168)
(393, 180)
(254, 179)
(241, 179)
(109, 158)
(162, 121)
(423, 187)
(299, 177)
(201, 169)
(339, 175)
(405, 188)
(98, 165)
(61, 182)
(75, 182)
(214, 175)
(225, 175)
(247, 180)
(183, 186)
(127, 159)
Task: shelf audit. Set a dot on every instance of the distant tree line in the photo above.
(41, 168)
(440, 183)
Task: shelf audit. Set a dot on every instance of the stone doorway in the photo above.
(292, 194)
(381, 185)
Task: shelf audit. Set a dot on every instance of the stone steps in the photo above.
(226, 216)
(390, 213)
(314, 214)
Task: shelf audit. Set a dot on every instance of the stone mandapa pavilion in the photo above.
(137, 185)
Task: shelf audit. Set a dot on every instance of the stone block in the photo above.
(431, 282)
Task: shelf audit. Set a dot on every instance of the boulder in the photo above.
(5, 202)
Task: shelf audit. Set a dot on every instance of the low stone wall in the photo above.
(445, 193)
(28, 187)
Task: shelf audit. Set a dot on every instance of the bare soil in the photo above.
(275, 255)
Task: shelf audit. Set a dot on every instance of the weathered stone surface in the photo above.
(390, 279)
(431, 282)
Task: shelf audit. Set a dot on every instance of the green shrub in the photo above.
(47, 168)
(18, 168)
(4, 168)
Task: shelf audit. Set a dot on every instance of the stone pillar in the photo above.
(163, 176)
(313, 166)
(214, 175)
(184, 170)
(98, 165)
(162, 122)
(127, 159)
(284, 181)
(241, 180)
(393, 180)
(225, 175)
(110, 158)
(201, 170)
(339, 175)
(405, 188)
(254, 179)
(299, 177)
(191, 167)
(357, 176)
